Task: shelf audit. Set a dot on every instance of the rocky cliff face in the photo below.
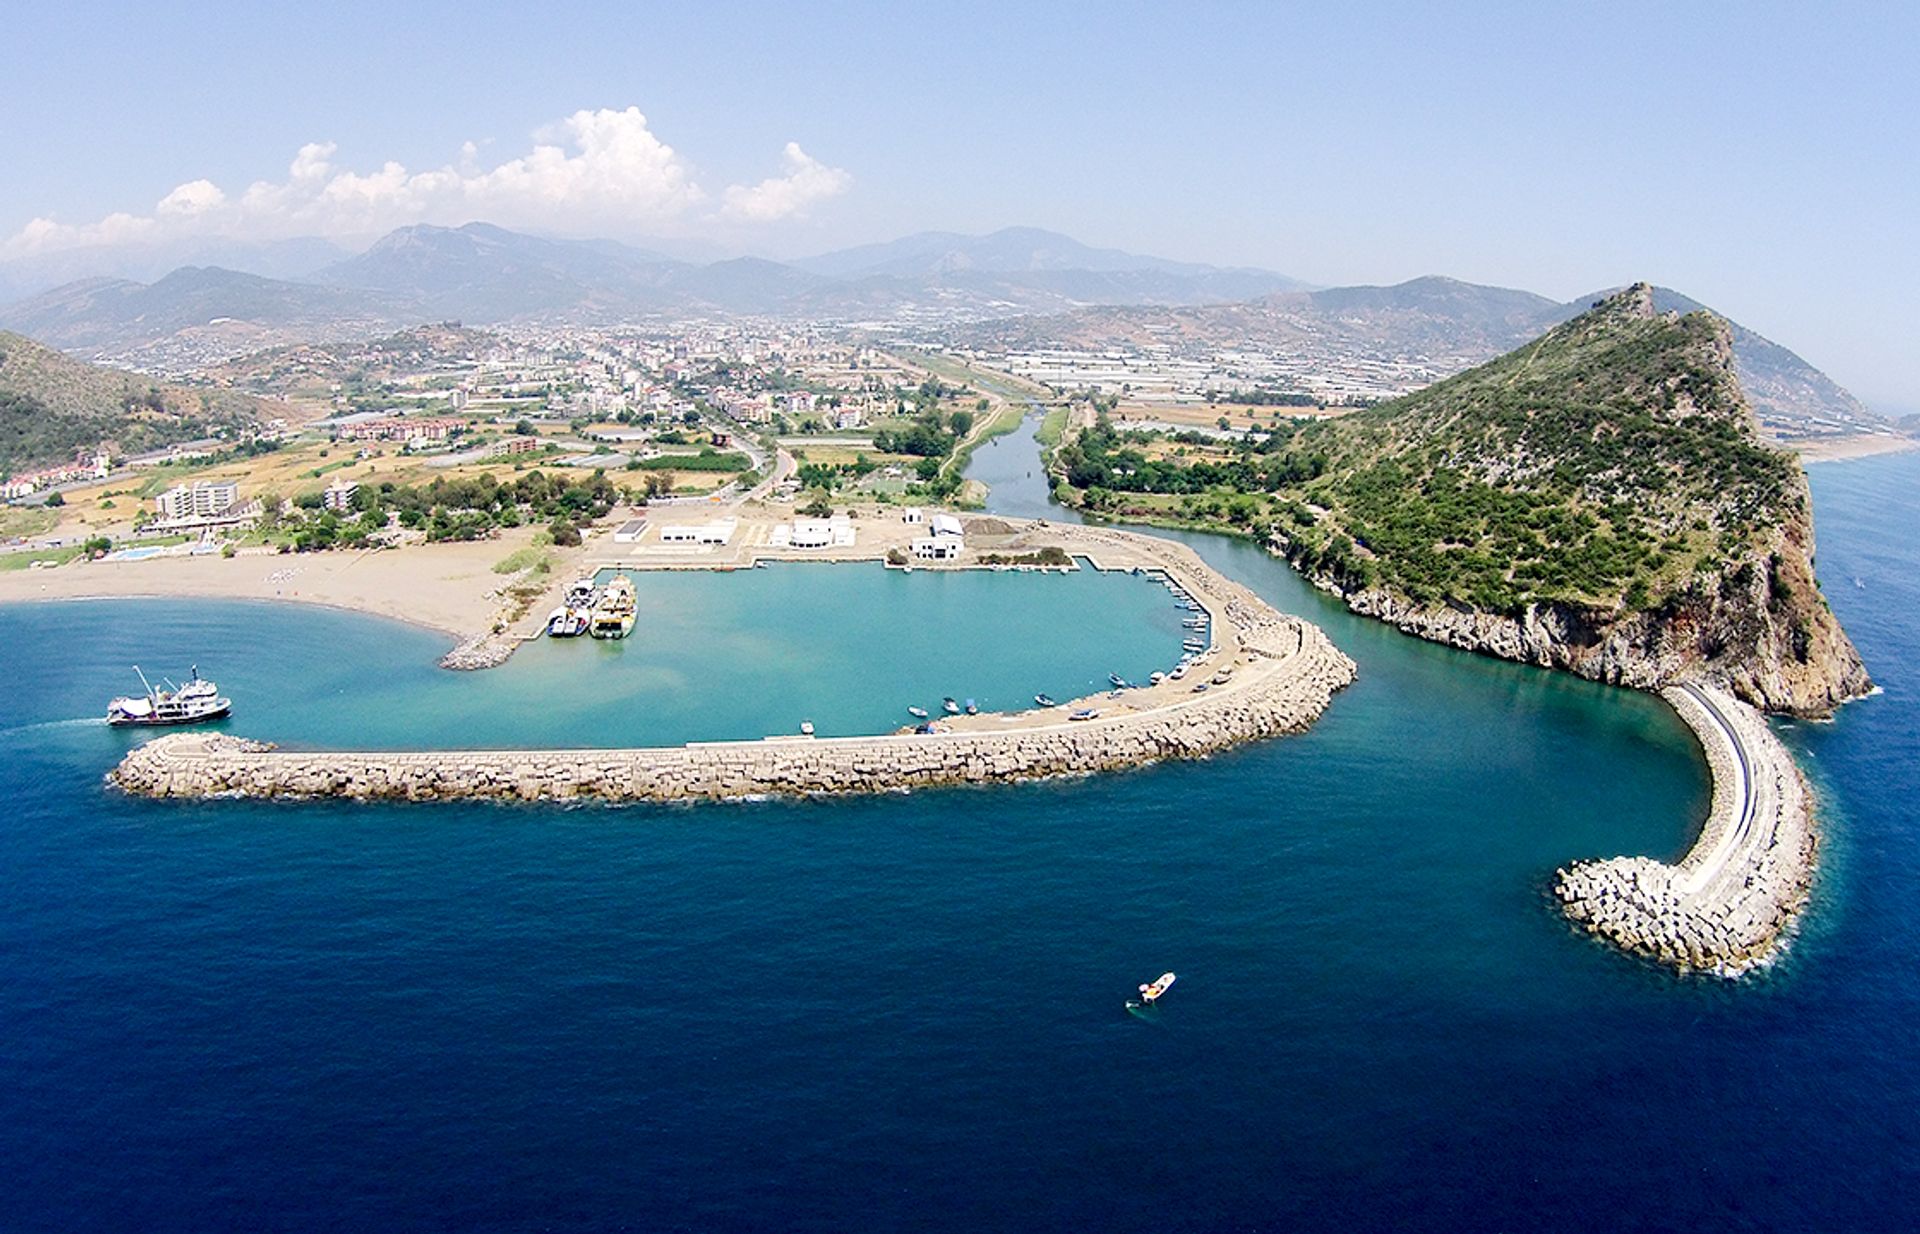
(1760, 628)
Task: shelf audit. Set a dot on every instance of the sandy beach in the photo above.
(447, 587)
(1845, 449)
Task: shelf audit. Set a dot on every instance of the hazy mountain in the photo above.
(1011, 250)
(1433, 325)
(105, 314)
(144, 263)
(485, 273)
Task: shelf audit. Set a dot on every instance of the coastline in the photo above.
(448, 588)
(1848, 449)
(1273, 673)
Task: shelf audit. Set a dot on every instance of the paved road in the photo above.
(1740, 832)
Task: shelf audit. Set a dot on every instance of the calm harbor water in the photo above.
(905, 1011)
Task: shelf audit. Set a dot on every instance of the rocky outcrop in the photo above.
(1760, 628)
(1292, 674)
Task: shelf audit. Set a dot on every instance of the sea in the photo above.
(908, 1012)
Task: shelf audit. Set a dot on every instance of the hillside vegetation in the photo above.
(1598, 499)
(52, 405)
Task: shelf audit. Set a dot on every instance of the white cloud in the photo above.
(807, 180)
(595, 171)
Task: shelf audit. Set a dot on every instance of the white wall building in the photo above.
(201, 499)
(718, 532)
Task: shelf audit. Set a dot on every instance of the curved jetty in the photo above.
(1285, 672)
(1726, 906)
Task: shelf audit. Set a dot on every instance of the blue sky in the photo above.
(1761, 158)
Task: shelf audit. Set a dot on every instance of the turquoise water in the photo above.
(713, 656)
(905, 1011)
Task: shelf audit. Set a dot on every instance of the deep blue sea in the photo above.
(905, 1012)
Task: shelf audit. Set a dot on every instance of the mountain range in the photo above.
(1016, 285)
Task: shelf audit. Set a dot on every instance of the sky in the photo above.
(1761, 158)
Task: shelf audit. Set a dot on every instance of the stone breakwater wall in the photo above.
(1293, 675)
(1726, 907)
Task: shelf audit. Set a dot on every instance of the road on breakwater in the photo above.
(1727, 906)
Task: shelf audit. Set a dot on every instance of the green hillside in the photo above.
(52, 405)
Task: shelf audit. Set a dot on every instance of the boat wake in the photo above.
(50, 725)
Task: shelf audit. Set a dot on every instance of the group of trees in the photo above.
(451, 509)
(1105, 458)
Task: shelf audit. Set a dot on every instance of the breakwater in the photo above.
(1725, 907)
(1288, 673)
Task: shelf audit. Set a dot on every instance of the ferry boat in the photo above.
(918, 713)
(1151, 991)
(194, 703)
(1044, 700)
(567, 622)
(949, 706)
(613, 617)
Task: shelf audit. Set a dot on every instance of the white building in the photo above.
(913, 514)
(835, 532)
(717, 532)
(946, 525)
(630, 532)
(201, 499)
(937, 548)
(339, 494)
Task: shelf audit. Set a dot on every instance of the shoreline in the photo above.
(1273, 673)
(1852, 448)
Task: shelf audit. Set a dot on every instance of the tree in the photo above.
(56, 499)
(819, 507)
(565, 534)
(523, 428)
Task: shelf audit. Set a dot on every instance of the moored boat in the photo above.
(193, 703)
(972, 708)
(1044, 700)
(806, 728)
(613, 616)
(949, 706)
(1119, 682)
(1085, 713)
(567, 622)
(918, 713)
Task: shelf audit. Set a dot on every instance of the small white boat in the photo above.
(972, 708)
(1044, 700)
(806, 728)
(949, 706)
(1085, 713)
(1179, 671)
(1151, 991)
(918, 713)
(567, 622)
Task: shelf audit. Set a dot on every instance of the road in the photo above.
(1740, 832)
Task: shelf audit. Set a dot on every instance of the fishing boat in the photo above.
(806, 728)
(949, 706)
(1119, 682)
(1151, 991)
(613, 617)
(194, 703)
(972, 708)
(918, 713)
(1044, 700)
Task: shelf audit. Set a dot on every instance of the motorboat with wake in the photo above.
(193, 703)
(1150, 992)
